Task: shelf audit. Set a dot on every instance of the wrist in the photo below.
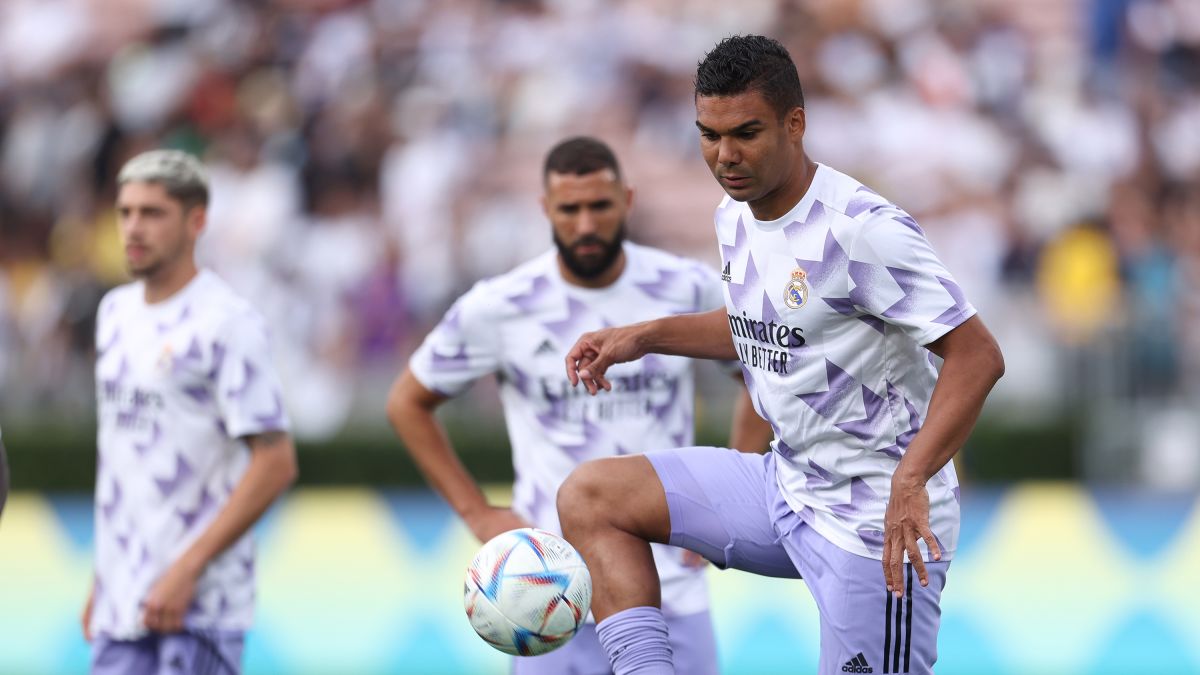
(193, 563)
(907, 478)
(473, 511)
(645, 336)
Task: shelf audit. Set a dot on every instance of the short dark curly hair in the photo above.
(580, 156)
(742, 63)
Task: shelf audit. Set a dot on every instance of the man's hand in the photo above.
(169, 598)
(906, 521)
(593, 353)
(85, 619)
(489, 522)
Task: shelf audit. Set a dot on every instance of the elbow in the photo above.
(995, 362)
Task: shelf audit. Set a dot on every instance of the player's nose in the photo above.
(131, 225)
(586, 223)
(728, 153)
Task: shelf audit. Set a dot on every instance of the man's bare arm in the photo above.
(272, 469)
(973, 365)
(410, 409)
(699, 336)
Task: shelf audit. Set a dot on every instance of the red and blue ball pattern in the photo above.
(527, 591)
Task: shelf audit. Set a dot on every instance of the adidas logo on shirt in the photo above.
(857, 664)
(547, 347)
(725, 276)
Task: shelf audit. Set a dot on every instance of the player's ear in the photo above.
(628, 197)
(796, 123)
(195, 218)
(545, 205)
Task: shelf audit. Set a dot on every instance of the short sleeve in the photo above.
(248, 391)
(710, 295)
(896, 276)
(711, 290)
(462, 348)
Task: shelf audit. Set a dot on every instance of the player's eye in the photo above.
(709, 136)
(748, 135)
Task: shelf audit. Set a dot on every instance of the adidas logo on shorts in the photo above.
(858, 664)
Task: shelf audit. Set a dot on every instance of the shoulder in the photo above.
(860, 208)
(514, 293)
(220, 306)
(727, 216)
(118, 297)
(218, 297)
(655, 262)
(684, 284)
(118, 302)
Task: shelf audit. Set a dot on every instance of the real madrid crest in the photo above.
(796, 293)
(166, 359)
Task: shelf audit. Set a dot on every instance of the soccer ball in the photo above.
(527, 591)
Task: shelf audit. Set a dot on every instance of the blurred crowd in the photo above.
(370, 159)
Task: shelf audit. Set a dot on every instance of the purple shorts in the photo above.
(195, 652)
(726, 506)
(692, 642)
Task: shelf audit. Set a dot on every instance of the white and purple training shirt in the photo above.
(179, 383)
(830, 306)
(520, 325)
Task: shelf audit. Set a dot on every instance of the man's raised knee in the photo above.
(619, 492)
(583, 492)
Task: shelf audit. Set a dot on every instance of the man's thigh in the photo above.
(693, 646)
(864, 628)
(717, 499)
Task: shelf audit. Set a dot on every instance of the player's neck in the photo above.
(603, 280)
(169, 281)
(776, 204)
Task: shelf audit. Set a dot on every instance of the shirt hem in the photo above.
(851, 543)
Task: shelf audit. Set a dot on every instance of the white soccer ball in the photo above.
(527, 591)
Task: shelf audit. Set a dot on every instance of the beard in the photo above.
(156, 259)
(144, 269)
(590, 266)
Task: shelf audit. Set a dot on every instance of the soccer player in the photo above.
(193, 441)
(835, 305)
(517, 326)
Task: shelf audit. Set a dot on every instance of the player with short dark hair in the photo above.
(751, 63)
(517, 327)
(580, 156)
(836, 306)
(192, 437)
